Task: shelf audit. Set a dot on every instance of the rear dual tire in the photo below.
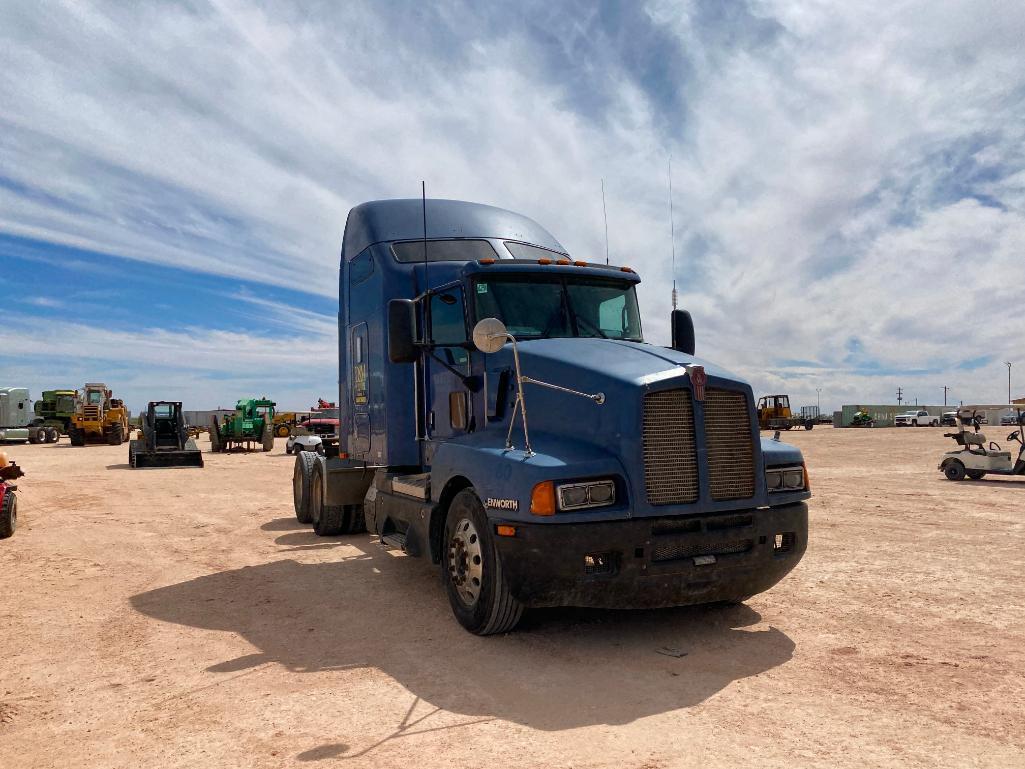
(302, 475)
(330, 520)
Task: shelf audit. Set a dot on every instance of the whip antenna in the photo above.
(423, 199)
(672, 227)
(606, 216)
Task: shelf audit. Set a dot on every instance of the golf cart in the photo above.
(309, 435)
(976, 457)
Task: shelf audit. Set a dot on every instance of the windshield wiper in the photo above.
(579, 318)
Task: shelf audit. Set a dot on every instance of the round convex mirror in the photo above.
(489, 335)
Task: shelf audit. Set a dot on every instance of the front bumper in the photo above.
(654, 562)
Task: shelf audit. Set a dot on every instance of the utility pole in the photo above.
(900, 395)
(818, 398)
(1008, 364)
(945, 389)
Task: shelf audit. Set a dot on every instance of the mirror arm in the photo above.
(598, 397)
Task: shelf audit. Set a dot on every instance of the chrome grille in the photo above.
(731, 472)
(670, 455)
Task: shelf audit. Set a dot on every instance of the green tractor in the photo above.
(252, 422)
(56, 408)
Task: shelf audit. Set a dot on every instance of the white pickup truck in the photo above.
(916, 418)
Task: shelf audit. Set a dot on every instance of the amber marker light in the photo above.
(544, 261)
(807, 480)
(580, 264)
(626, 269)
(504, 530)
(563, 261)
(485, 261)
(542, 499)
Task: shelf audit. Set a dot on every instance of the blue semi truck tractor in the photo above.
(502, 415)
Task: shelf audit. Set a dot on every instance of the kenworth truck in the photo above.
(502, 415)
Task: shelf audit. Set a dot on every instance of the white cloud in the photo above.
(841, 172)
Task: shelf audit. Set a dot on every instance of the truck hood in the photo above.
(622, 371)
(608, 360)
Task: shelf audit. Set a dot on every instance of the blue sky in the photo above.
(849, 182)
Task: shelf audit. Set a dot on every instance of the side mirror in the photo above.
(402, 347)
(683, 331)
(490, 335)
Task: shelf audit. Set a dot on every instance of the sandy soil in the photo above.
(182, 617)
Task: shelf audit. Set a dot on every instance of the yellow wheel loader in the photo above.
(98, 418)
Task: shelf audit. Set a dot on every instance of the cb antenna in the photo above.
(672, 226)
(606, 216)
(423, 200)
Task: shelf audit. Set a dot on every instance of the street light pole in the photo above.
(1008, 364)
(945, 388)
(818, 398)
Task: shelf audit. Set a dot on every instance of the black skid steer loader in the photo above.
(165, 440)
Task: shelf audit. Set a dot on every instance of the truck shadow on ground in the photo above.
(561, 669)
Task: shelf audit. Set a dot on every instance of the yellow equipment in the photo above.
(284, 421)
(774, 414)
(98, 417)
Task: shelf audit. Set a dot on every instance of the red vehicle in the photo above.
(9, 471)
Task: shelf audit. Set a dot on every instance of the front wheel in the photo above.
(472, 570)
(282, 431)
(116, 436)
(954, 471)
(8, 515)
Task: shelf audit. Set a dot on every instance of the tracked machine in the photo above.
(164, 440)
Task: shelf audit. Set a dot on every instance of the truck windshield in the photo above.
(539, 307)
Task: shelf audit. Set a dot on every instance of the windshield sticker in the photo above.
(482, 288)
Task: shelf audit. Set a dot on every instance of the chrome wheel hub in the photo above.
(465, 562)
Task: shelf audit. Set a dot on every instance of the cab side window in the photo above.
(448, 323)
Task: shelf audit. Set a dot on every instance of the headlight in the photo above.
(785, 479)
(575, 496)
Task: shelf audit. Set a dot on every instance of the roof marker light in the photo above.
(563, 261)
(485, 261)
(580, 264)
(626, 269)
(544, 261)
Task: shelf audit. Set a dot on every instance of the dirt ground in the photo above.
(181, 617)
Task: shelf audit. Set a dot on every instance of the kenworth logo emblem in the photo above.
(698, 379)
(503, 504)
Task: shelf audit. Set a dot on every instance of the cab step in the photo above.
(416, 486)
(396, 539)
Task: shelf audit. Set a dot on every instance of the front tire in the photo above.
(116, 436)
(954, 471)
(282, 431)
(472, 570)
(76, 436)
(8, 515)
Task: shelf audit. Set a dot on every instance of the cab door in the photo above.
(449, 407)
(359, 390)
